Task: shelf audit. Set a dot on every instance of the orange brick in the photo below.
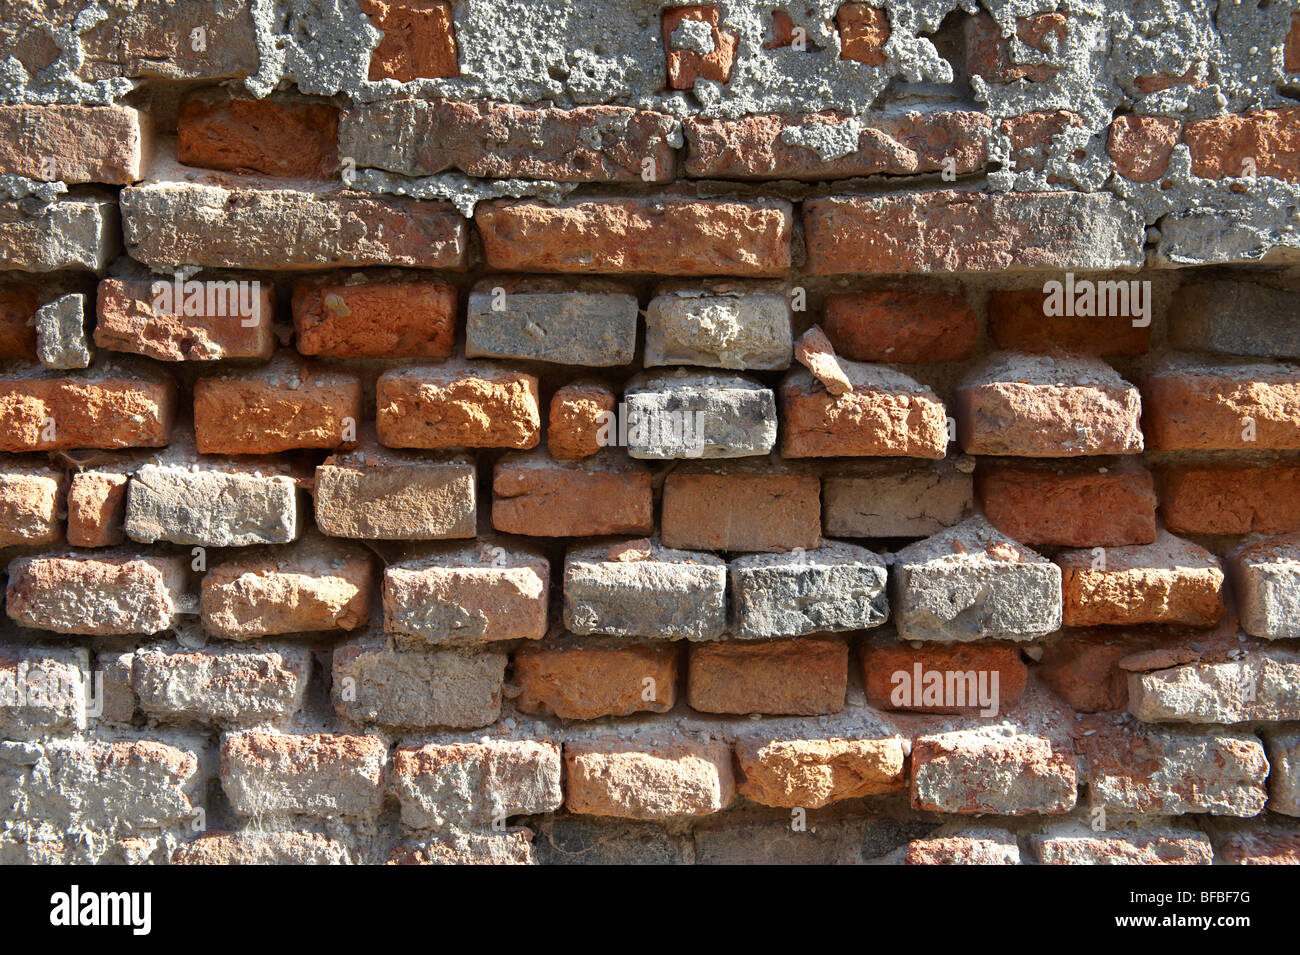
(1142, 146)
(881, 665)
(864, 30)
(813, 773)
(75, 144)
(741, 508)
(686, 65)
(587, 680)
(374, 319)
(806, 676)
(1031, 136)
(1224, 499)
(988, 52)
(96, 507)
(128, 321)
(31, 498)
(648, 778)
(1018, 320)
(1198, 406)
(112, 406)
(578, 412)
(259, 135)
(419, 40)
(1266, 143)
(458, 405)
(901, 326)
(538, 496)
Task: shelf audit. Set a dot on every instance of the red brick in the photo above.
(579, 411)
(1142, 146)
(358, 318)
(864, 30)
(1225, 146)
(1291, 49)
(458, 405)
(419, 39)
(605, 494)
(96, 508)
(782, 31)
(1031, 136)
(1018, 320)
(1155, 82)
(1197, 406)
(588, 680)
(1270, 846)
(815, 352)
(128, 321)
(259, 135)
(18, 304)
(686, 66)
(988, 52)
(901, 326)
(647, 779)
(111, 407)
(1227, 499)
(806, 676)
(813, 773)
(976, 848)
(741, 508)
(1082, 668)
(287, 404)
(664, 235)
(1074, 506)
(880, 663)
(97, 594)
(74, 144)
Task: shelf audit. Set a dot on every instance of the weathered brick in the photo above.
(379, 682)
(117, 702)
(107, 593)
(815, 352)
(663, 235)
(470, 595)
(982, 846)
(833, 588)
(61, 332)
(812, 773)
(1141, 146)
(986, 772)
(1261, 846)
(1169, 581)
(590, 679)
(1283, 748)
(901, 326)
(886, 414)
(581, 414)
(805, 676)
(535, 495)
(1234, 318)
(689, 414)
(43, 691)
(1082, 667)
(585, 840)
(312, 585)
(18, 303)
(297, 140)
(1228, 499)
(1061, 505)
(963, 678)
(695, 46)
(1050, 407)
(1194, 405)
(719, 324)
(313, 774)
(281, 406)
(1266, 576)
(391, 495)
(1019, 320)
(419, 39)
(1076, 844)
(741, 506)
(971, 582)
(543, 319)
(260, 847)
(474, 784)
(1264, 143)
(76, 232)
(134, 315)
(1261, 685)
(360, 317)
(74, 144)
(459, 847)
(504, 141)
(863, 30)
(31, 503)
(829, 145)
(1032, 137)
(992, 56)
(458, 404)
(647, 779)
(895, 498)
(228, 686)
(1291, 46)
(955, 230)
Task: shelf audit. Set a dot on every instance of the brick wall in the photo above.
(570, 433)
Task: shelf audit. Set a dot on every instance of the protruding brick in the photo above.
(891, 498)
(543, 319)
(956, 230)
(1228, 499)
(31, 503)
(61, 332)
(79, 232)
(580, 413)
(901, 326)
(696, 47)
(356, 317)
(647, 779)
(1194, 405)
(662, 235)
(475, 784)
(688, 414)
(470, 595)
(1050, 407)
(230, 319)
(982, 846)
(812, 773)
(536, 495)
(805, 676)
(297, 140)
(282, 406)
(1141, 146)
(1283, 748)
(719, 324)
(316, 774)
(1262, 685)
(392, 495)
(1020, 320)
(742, 506)
(1170, 581)
(458, 405)
(228, 686)
(815, 352)
(987, 772)
(74, 144)
(982, 678)
(863, 30)
(101, 595)
(1267, 582)
(989, 54)
(1076, 844)
(1264, 143)
(419, 39)
(591, 679)
(1261, 845)
(211, 503)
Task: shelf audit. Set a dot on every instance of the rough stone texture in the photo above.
(419, 39)
(1266, 576)
(959, 231)
(580, 421)
(1283, 748)
(975, 847)
(1234, 318)
(719, 325)
(1265, 846)
(805, 676)
(1226, 499)
(971, 582)
(1076, 844)
(458, 405)
(228, 686)
(378, 682)
(101, 594)
(1170, 581)
(943, 679)
(647, 779)
(1070, 506)
(644, 591)
(885, 414)
(538, 496)
(836, 587)
(1040, 406)
(276, 138)
(74, 144)
(707, 52)
(44, 691)
(592, 323)
(983, 772)
(394, 496)
(212, 504)
(474, 784)
(357, 317)
(581, 840)
(587, 680)
(1262, 685)
(1141, 146)
(264, 848)
(901, 326)
(458, 847)
(812, 773)
(815, 352)
(128, 319)
(79, 232)
(316, 774)
(667, 235)
(741, 507)
(1018, 320)
(1200, 406)
(314, 585)
(684, 414)
(61, 339)
(990, 54)
(1264, 143)
(896, 499)
(30, 504)
(474, 594)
